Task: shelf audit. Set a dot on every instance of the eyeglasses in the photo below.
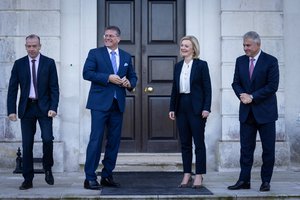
(109, 36)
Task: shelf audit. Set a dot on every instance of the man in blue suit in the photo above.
(110, 71)
(255, 83)
(36, 76)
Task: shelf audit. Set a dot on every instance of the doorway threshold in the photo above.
(149, 162)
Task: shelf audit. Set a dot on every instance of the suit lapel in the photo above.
(245, 69)
(27, 70)
(178, 71)
(40, 68)
(106, 56)
(122, 60)
(193, 70)
(258, 64)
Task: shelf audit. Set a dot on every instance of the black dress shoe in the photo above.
(26, 185)
(92, 185)
(265, 187)
(49, 177)
(109, 182)
(239, 185)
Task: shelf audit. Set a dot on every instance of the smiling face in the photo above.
(111, 39)
(33, 47)
(186, 49)
(251, 47)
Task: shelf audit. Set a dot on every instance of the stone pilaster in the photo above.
(237, 18)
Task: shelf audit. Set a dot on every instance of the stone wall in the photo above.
(237, 18)
(18, 19)
(68, 29)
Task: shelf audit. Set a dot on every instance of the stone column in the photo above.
(237, 18)
(292, 81)
(203, 21)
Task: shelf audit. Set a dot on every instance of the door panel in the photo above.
(151, 31)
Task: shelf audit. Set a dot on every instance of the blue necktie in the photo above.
(114, 61)
(114, 64)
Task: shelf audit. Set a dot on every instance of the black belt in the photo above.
(30, 100)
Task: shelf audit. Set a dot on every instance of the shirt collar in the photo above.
(188, 64)
(110, 50)
(36, 58)
(256, 57)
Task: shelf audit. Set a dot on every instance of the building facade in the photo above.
(69, 28)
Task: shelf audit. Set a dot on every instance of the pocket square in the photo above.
(126, 64)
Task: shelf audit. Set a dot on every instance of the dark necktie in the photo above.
(34, 78)
(251, 68)
(114, 61)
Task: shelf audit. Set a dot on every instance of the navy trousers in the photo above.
(28, 128)
(191, 127)
(111, 121)
(267, 132)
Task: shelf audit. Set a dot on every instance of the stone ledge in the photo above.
(230, 155)
(8, 155)
(145, 162)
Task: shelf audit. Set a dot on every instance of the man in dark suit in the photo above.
(36, 76)
(110, 71)
(255, 83)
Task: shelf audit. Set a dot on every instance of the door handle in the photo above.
(148, 89)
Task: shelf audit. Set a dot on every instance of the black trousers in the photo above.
(191, 128)
(33, 114)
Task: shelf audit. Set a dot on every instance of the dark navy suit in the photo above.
(188, 111)
(31, 112)
(106, 111)
(260, 115)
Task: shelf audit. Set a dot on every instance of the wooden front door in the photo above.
(150, 32)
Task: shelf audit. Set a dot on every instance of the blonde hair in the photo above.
(195, 43)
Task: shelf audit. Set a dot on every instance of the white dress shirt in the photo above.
(184, 82)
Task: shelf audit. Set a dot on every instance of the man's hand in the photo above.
(115, 79)
(12, 117)
(172, 115)
(205, 114)
(125, 82)
(245, 98)
(51, 113)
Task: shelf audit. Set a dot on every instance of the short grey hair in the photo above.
(32, 36)
(252, 35)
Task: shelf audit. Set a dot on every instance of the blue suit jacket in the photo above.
(200, 87)
(263, 87)
(97, 69)
(47, 83)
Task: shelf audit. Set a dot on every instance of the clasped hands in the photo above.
(245, 98)
(122, 82)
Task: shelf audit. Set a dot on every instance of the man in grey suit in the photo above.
(255, 82)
